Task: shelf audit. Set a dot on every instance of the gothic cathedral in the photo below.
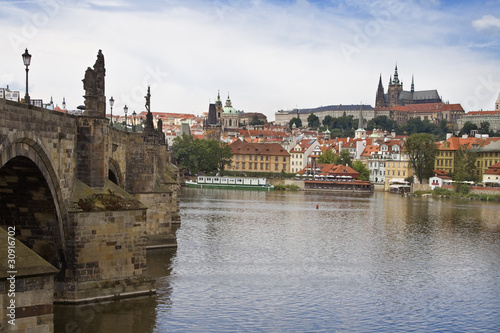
(397, 96)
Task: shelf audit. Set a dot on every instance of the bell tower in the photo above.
(395, 88)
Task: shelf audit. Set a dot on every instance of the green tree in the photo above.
(296, 121)
(256, 121)
(484, 127)
(224, 156)
(467, 128)
(328, 157)
(383, 123)
(328, 121)
(465, 165)
(364, 173)
(344, 157)
(313, 121)
(422, 151)
(200, 155)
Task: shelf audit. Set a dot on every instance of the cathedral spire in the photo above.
(380, 99)
(412, 84)
(396, 79)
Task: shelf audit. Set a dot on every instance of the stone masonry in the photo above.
(87, 198)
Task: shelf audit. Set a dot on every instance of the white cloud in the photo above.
(268, 56)
(487, 22)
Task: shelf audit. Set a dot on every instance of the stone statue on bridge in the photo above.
(149, 127)
(93, 84)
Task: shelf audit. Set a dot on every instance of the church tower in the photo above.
(395, 88)
(218, 108)
(497, 104)
(380, 99)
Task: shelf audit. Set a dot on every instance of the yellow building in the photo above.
(259, 157)
(397, 170)
(445, 158)
(487, 153)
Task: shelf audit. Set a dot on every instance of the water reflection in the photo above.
(129, 315)
(273, 262)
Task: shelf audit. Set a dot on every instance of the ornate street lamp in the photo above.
(125, 109)
(133, 115)
(27, 61)
(111, 103)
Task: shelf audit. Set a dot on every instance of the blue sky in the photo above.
(268, 55)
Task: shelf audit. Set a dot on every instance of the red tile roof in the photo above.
(239, 147)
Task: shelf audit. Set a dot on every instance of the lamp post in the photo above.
(27, 61)
(133, 115)
(111, 103)
(125, 109)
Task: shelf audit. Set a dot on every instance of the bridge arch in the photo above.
(114, 173)
(31, 199)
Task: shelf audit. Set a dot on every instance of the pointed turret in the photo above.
(228, 101)
(497, 104)
(396, 79)
(380, 99)
(64, 103)
(412, 84)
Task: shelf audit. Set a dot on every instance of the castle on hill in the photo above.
(397, 96)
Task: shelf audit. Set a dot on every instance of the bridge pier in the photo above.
(86, 198)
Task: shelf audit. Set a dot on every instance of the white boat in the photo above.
(226, 182)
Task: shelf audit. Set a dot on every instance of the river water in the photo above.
(315, 262)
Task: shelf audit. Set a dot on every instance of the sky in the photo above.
(267, 55)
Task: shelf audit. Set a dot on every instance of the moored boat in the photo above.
(235, 183)
(332, 185)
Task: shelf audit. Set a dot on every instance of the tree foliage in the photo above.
(256, 121)
(364, 173)
(344, 157)
(328, 157)
(422, 151)
(383, 123)
(484, 127)
(313, 121)
(465, 165)
(200, 155)
(467, 128)
(295, 120)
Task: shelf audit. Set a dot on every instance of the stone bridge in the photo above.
(86, 197)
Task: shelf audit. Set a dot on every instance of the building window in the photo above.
(237, 157)
(261, 157)
(243, 165)
(276, 166)
(255, 165)
(284, 158)
(276, 159)
(284, 167)
(262, 166)
(237, 165)
(250, 157)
